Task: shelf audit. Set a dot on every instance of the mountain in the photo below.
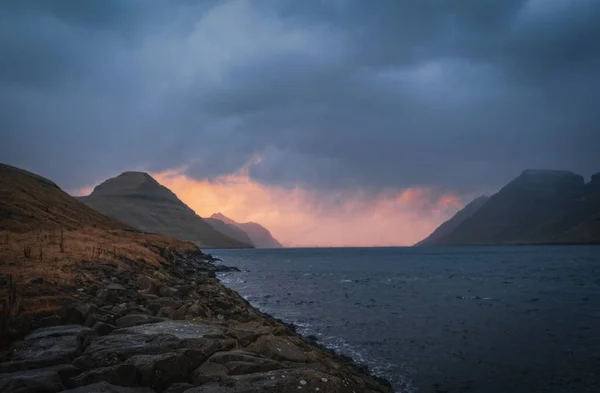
(31, 202)
(538, 207)
(140, 201)
(229, 229)
(260, 236)
(449, 226)
(47, 233)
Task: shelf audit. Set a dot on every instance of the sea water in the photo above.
(462, 319)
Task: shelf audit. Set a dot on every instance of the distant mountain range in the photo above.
(538, 207)
(140, 201)
(259, 236)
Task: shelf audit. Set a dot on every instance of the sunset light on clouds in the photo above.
(299, 217)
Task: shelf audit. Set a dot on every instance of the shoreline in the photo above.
(313, 340)
(172, 327)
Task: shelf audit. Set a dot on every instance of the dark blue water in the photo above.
(495, 319)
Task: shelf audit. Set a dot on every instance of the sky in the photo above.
(340, 122)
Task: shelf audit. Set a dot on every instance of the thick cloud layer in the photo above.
(458, 96)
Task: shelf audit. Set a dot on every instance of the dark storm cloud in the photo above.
(459, 95)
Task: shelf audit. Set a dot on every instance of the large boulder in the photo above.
(51, 342)
(136, 320)
(104, 387)
(280, 348)
(113, 349)
(161, 371)
(32, 381)
(121, 375)
(303, 379)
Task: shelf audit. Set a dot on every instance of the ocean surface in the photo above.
(463, 319)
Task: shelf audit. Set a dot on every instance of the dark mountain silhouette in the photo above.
(229, 229)
(140, 201)
(538, 207)
(260, 236)
(449, 226)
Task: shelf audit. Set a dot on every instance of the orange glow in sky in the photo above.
(298, 217)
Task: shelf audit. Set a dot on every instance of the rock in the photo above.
(114, 348)
(168, 312)
(104, 387)
(280, 348)
(115, 287)
(247, 333)
(180, 313)
(160, 371)
(58, 331)
(209, 372)
(119, 310)
(37, 280)
(136, 319)
(184, 291)
(168, 292)
(178, 388)
(225, 269)
(94, 318)
(196, 310)
(51, 320)
(279, 381)
(183, 330)
(55, 341)
(32, 381)
(71, 315)
(103, 328)
(241, 362)
(31, 364)
(121, 375)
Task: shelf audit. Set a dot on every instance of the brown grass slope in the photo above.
(49, 237)
(140, 201)
(29, 201)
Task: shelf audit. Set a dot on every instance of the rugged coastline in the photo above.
(168, 328)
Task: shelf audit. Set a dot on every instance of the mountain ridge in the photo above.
(139, 200)
(537, 207)
(260, 236)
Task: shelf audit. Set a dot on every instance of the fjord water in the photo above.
(460, 319)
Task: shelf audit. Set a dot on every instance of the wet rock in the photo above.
(136, 319)
(181, 329)
(58, 331)
(32, 381)
(280, 348)
(104, 387)
(121, 375)
(103, 328)
(278, 381)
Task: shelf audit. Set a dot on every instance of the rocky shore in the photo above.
(173, 328)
